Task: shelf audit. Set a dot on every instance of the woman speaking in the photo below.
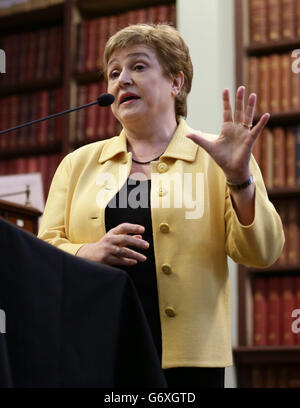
(167, 203)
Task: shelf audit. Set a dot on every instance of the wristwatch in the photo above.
(241, 186)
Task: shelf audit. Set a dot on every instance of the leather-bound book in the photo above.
(285, 82)
(295, 90)
(274, 83)
(259, 298)
(287, 306)
(279, 156)
(297, 135)
(92, 112)
(258, 21)
(297, 306)
(293, 223)
(297, 6)
(273, 299)
(264, 85)
(288, 20)
(267, 157)
(274, 20)
(90, 62)
(81, 114)
(290, 154)
(253, 76)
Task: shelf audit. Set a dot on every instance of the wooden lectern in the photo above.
(22, 216)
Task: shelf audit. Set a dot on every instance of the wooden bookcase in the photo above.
(264, 365)
(67, 15)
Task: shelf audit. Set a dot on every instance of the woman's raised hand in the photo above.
(112, 248)
(232, 149)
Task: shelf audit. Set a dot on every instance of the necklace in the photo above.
(147, 162)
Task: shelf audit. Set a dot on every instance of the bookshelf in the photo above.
(44, 41)
(262, 358)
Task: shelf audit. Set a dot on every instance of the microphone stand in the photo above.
(102, 100)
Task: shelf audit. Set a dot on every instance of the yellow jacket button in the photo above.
(166, 269)
(162, 191)
(162, 167)
(164, 228)
(170, 311)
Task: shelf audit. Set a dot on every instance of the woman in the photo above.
(167, 203)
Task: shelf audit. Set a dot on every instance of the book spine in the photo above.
(259, 312)
(43, 111)
(297, 6)
(102, 117)
(297, 136)
(274, 26)
(258, 20)
(267, 157)
(288, 19)
(92, 112)
(297, 306)
(81, 114)
(290, 157)
(81, 41)
(264, 84)
(283, 213)
(293, 223)
(273, 299)
(91, 45)
(295, 90)
(58, 108)
(287, 306)
(279, 156)
(285, 82)
(274, 81)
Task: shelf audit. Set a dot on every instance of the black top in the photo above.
(132, 204)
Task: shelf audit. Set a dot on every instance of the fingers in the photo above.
(201, 141)
(249, 114)
(128, 240)
(227, 109)
(258, 128)
(128, 228)
(239, 105)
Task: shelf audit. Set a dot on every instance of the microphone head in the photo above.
(105, 99)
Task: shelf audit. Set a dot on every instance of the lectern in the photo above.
(22, 216)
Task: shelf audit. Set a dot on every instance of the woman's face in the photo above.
(141, 90)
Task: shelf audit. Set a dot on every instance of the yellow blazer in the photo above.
(192, 235)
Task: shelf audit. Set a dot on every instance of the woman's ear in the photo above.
(177, 84)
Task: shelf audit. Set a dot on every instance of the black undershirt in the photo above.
(132, 204)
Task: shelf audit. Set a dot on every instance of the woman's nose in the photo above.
(125, 78)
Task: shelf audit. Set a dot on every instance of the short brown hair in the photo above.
(172, 52)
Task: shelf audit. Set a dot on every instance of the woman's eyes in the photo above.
(137, 67)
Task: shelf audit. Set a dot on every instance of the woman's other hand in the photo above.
(232, 149)
(112, 248)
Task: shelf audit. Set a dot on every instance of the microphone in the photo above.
(105, 99)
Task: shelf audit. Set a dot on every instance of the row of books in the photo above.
(44, 164)
(275, 376)
(277, 152)
(289, 212)
(18, 109)
(273, 20)
(93, 34)
(93, 123)
(276, 81)
(275, 300)
(32, 56)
